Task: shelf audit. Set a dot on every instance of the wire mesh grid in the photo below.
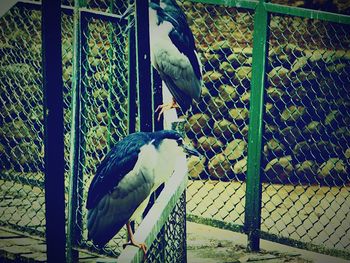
(334, 6)
(218, 125)
(105, 6)
(170, 243)
(67, 76)
(105, 100)
(21, 132)
(105, 120)
(306, 161)
(306, 151)
(104, 117)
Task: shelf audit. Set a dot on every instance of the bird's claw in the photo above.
(139, 245)
(164, 107)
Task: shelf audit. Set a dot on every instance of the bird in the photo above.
(174, 54)
(125, 179)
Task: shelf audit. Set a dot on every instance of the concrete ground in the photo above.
(206, 244)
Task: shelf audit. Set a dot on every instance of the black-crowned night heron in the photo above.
(125, 179)
(174, 55)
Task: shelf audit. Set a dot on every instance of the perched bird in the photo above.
(125, 179)
(174, 54)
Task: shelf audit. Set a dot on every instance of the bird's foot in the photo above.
(139, 245)
(166, 106)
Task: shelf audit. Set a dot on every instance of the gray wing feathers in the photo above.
(179, 69)
(115, 209)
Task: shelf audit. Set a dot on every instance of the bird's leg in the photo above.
(132, 241)
(166, 106)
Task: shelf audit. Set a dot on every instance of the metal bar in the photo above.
(158, 215)
(184, 238)
(307, 13)
(76, 139)
(54, 132)
(253, 196)
(249, 4)
(22, 180)
(23, 229)
(102, 15)
(89, 12)
(144, 84)
(215, 223)
(37, 5)
(111, 112)
(132, 77)
(6, 5)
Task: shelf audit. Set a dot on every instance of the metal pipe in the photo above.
(54, 132)
(76, 139)
(132, 94)
(144, 66)
(253, 196)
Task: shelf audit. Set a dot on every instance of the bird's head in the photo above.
(170, 138)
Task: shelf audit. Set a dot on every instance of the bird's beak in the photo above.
(191, 151)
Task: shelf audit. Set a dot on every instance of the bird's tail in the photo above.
(181, 98)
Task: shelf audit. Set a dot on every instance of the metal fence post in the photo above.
(143, 66)
(54, 138)
(132, 77)
(76, 138)
(253, 191)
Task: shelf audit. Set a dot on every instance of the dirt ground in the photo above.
(206, 244)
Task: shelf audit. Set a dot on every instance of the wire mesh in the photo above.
(334, 6)
(218, 125)
(306, 181)
(306, 163)
(306, 150)
(105, 79)
(170, 244)
(21, 132)
(105, 100)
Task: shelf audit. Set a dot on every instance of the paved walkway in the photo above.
(206, 244)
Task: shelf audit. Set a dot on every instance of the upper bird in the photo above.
(125, 179)
(174, 54)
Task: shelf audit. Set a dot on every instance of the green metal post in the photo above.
(253, 191)
(76, 138)
(132, 77)
(111, 97)
(54, 138)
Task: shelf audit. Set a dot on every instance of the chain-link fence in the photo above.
(21, 118)
(103, 110)
(170, 243)
(218, 125)
(95, 117)
(306, 138)
(305, 166)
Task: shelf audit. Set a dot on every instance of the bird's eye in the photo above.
(180, 141)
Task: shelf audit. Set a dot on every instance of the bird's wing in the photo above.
(120, 160)
(115, 209)
(181, 70)
(182, 99)
(182, 37)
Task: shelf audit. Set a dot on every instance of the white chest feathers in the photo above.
(159, 162)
